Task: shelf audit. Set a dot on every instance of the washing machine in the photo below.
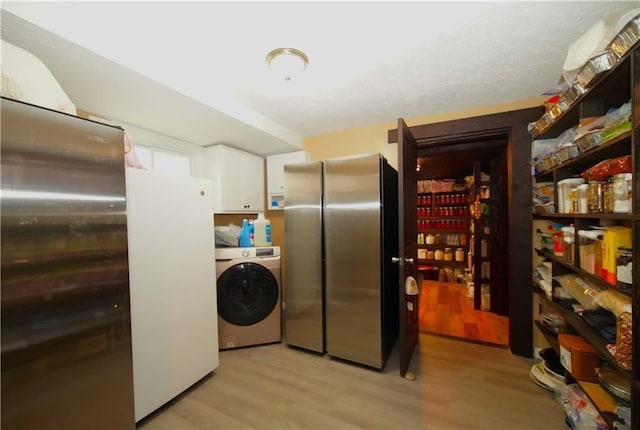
(249, 296)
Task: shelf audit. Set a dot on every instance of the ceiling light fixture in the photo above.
(287, 62)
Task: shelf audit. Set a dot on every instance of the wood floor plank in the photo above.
(459, 385)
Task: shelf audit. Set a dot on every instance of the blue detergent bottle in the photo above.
(245, 234)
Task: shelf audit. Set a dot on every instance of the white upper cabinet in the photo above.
(275, 175)
(238, 179)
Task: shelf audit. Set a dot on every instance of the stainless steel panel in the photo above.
(352, 243)
(304, 323)
(66, 336)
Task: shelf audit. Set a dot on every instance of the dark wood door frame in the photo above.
(513, 126)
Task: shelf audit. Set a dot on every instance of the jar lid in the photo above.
(623, 176)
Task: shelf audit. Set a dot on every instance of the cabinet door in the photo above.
(253, 184)
(275, 169)
(275, 175)
(233, 181)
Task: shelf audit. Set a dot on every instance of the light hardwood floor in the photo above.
(459, 385)
(445, 308)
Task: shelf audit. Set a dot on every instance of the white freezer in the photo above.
(174, 316)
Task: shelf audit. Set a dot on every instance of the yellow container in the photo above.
(614, 237)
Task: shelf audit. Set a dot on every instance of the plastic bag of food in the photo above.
(613, 301)
(227, 235)
(608, 168)
(583, 290)
(579, 409)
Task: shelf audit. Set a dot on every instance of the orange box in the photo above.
(578, 357)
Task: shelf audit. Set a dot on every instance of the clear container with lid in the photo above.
(448, 255)
(622, 193)
(590, 249)
(568, 243)
(583, 207)
(624, 263)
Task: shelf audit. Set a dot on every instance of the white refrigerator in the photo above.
(174, 317)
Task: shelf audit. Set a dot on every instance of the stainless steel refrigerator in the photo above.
(341, 231)
(66, 335)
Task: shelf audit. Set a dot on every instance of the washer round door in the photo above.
(247, 294)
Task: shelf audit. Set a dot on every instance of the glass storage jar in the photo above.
(607, 197)
(594, 197)
(448, 255)
(463, 239)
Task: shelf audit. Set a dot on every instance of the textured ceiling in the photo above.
(180, 67)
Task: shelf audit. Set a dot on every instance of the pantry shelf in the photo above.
(586, 331)
(616, 147)
(594, 216)
(583, 273)
(551, 337)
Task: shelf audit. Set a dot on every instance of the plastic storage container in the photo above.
(261, 231)
(578, 357)
(583, 207)
(590, 251)
(485, 297)
(558, 243)
(624, 264)
(568, 242)
(622, 193)
(614, 238)
(565, 186)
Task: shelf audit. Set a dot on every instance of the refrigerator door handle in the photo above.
(401, 260)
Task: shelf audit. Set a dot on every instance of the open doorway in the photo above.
(462, 236)
(468, 134)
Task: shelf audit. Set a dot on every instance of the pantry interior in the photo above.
(461, 241)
